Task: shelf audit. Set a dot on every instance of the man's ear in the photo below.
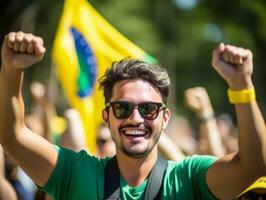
(166, 118)
(105, 116)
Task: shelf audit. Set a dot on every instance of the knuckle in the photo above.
(40, 39)
(249, 52)
(27, 38)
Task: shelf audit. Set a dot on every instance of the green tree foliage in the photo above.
(180, 33)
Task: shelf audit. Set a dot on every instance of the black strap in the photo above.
(154, 187)
(112, 180)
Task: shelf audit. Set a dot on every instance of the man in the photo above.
(135, 94)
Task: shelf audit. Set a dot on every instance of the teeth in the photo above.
(135, 132)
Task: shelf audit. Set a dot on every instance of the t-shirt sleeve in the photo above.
(57, 180)
(197, 170)
(63, 181)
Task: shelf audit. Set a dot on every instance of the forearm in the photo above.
(46, 117)
(252, 137)
(10, 86)
(210, 130)
(169, 149)
(73, 137)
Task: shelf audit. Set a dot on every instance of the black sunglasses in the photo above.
(147, 110)
(253, 196)
(101, 141)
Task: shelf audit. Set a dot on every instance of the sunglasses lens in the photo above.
(122, 110)
(100, 141)
(148, 110)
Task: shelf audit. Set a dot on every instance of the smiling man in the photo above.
(136, 112)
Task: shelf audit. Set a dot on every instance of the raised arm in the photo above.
(197, 100)
(43, 108)
(233, 173)
(35, 155)
(73, 136)
(168, 149)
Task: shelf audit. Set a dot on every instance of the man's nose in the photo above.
(135, 116)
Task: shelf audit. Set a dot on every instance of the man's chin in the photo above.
(136, 153)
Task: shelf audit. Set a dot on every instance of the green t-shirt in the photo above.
(79, 176)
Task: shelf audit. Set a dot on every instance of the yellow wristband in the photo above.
(241, 96)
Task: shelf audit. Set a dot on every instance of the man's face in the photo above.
(136, 136)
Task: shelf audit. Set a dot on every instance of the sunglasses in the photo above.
(101, 141)
(147, 110)
(253, 196)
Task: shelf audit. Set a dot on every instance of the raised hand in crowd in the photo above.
(210, 142)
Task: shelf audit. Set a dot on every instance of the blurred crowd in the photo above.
(214, 135)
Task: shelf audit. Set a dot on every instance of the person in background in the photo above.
(210, 141)
(257, 191)
(44, 120)
(169, 149)
(228, 132)
(12, 175)
(105, 144)
(74, 135)
(182, 134)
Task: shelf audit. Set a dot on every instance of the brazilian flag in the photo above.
(84, 47)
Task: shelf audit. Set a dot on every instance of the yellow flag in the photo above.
(85, 46)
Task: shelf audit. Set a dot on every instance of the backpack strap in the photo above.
(112, 180)
(154, 185)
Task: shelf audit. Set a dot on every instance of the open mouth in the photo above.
(135, 133)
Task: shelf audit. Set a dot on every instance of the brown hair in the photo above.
(135, 69)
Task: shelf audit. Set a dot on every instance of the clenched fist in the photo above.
(197, 100)
(234, 64)
(21, 50)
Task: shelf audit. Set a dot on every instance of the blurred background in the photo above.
(180, 33)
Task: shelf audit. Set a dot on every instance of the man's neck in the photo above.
(136, 170)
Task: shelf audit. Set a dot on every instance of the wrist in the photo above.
(243, 84)
(206, 118)
(205, 113)
(241, 96)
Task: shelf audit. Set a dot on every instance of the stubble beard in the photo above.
(141, 153)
